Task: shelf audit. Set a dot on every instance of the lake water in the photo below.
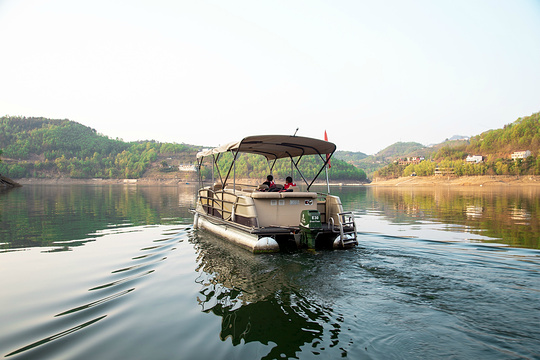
(116, 272)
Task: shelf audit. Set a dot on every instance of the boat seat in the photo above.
(299, 194)
(283, 195)
(265, 195)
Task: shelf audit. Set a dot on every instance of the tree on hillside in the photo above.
(45, 147)
(495, 146)
(450, 153)
(523, 134)
(51, 148)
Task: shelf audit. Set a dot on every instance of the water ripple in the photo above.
(121, 281)
(56, 336)
(96, 303)
(141, 266)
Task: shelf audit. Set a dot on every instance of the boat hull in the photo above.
(236, 235)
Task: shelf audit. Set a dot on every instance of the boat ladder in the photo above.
(347, 229)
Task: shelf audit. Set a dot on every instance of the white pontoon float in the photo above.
(267, 221)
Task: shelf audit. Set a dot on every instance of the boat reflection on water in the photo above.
(258, 299)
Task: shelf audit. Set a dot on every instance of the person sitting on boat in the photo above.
(269, 181)
(288, 185)
(268, 185)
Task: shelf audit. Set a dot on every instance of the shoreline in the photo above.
(461, 181)
(411, 181)
(144, 181)
(98, 181)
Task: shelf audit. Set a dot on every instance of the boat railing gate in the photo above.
(215, 206)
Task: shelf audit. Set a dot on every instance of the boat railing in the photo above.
(346, 228)
(223, 204)
(216, 206)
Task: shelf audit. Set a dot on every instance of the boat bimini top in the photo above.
(274, 147)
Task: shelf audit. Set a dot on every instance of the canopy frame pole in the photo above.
(235, 154)
(273, 164)
(234, 175)
(292, 168)
(323, 167)
(199, 172)
(327, 181)
(216, 159)
(296, 166)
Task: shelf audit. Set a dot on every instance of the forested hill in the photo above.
(350, 156)
(45, 148)
(38, 147)
(494, 146)
(522, 134)
(22, 138)
(371, 163)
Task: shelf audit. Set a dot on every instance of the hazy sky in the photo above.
(371, 73)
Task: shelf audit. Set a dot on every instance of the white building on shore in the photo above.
(474, 159)
(189, 168)
(521, 154)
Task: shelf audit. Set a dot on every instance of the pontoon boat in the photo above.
(267, 221)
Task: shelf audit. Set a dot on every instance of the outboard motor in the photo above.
(310, 227)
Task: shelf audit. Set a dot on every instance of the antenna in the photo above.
(295, 132)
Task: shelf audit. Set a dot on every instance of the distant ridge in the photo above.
(522, 134)
(51, 149)
(512, 150)
(36, 147)
(459, 137)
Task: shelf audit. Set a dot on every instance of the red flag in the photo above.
(327, 155)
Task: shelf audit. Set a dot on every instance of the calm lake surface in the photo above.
(116, 272)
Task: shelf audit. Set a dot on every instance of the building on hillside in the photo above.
(521, 154)
(190, 168)
(474, 159)
(410, 160)
(444, 171)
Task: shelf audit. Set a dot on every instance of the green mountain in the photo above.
(397, 150)
(371, 163)
(522, 134)
(39, 147)
(350, 157)
(495, 146)
(45, 148)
